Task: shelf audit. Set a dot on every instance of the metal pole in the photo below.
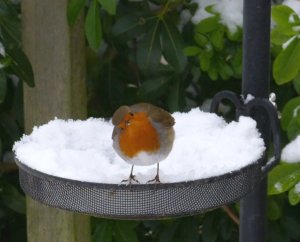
(256, 69)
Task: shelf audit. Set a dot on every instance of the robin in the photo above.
(143, 135)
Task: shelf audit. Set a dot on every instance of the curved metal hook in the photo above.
(275, 129)
(220, 96)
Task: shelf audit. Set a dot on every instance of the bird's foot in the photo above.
(130, 180)
(155, 180)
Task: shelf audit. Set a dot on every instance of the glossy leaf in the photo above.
(10, 31)
(3, 85)
(296, 83)
(290, 110)
(172, 47)
(294, 194)
(278, 37)
(154, 88)
(109, 5)
(201, 39)
(283, 177)
(192, 50)
(287, 64)
(293, 129)
(281, 14)
(274, 210)
(126, 24)
(149, 50)
(73, 10)
(13, 199)
(93, 29)
(205, 59)
(208, 25)
(20, 65)
(217, 38)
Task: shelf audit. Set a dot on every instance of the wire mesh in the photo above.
(140, 201)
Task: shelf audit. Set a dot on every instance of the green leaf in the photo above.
(12, 198)
(294, 194)
(281, 14)
(192, 50)
(287, 64)
(217, 38)
(213, 73)
(274, 210)
(93, 29)
(109, 5)
(283, 177)
(124, 232)
(20, 65)
(278, 38)
(205, 59)
(103, 232)
(296, 83)
(3, 85)
(73, 10)
(128, 24)
(149, 50)
(10, 31)
(201, 39)
(175, 99)
(290, 110)
(208, 25)
(293, 129)
(172, 46)
(154, 88)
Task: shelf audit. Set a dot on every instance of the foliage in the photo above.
(144, 51)
(14, 66)
(218, 49)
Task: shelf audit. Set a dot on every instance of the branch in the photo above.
(231, 214)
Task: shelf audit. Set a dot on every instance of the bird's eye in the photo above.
(131, 114)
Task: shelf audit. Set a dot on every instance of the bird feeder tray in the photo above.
(139, 201)
(152, 201)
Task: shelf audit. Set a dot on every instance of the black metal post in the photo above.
(256, 69)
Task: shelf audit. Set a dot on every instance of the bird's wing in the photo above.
(156, 114)
(119, 114)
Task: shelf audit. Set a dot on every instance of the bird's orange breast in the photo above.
(138, 134)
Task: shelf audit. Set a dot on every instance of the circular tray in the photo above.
(139, 201)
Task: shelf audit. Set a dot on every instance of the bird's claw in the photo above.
(130, 179)
(155, 180)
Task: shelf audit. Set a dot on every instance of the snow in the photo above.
(231, 12)
(291, 152)
(293, 4)
(297, 188)
(278, 186)
(248, 98)
(205, 146)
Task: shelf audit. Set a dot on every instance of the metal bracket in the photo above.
(246, 109)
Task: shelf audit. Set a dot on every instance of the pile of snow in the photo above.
(205, 146)
(231, 12)
(291, 152)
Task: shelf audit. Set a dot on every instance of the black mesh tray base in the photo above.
(141, 201)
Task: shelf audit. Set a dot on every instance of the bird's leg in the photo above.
(131, 177)
(156, 178)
